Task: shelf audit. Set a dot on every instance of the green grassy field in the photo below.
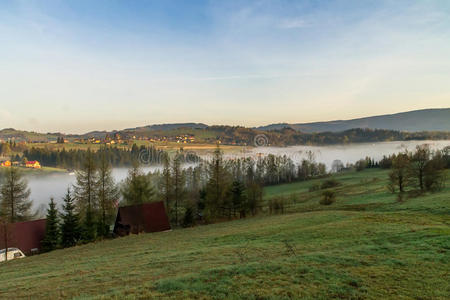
(367, 245)
(43, 170)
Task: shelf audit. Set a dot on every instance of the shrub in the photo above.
(330, 183)
(276, 205)
(328, 198)
(314, 187)
(188, 219)
(361, 165)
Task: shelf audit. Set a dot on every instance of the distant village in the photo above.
(13, 145)
(115, 139)
(33, 164)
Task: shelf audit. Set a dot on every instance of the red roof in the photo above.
(24, 235)
(31, 162)
(147, 217)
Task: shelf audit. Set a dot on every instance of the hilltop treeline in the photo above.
(225, 188)
(290, 137)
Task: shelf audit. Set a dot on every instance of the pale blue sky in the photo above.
(75, 66)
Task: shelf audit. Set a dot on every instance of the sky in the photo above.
(76, 66)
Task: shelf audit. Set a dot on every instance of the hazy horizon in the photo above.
(79, 66)
(211, 124)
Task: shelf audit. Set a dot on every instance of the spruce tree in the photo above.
(14, 193)
(52, 233)
(165, 184)
(218, 185)
(70, 228)
(137, 188)
(254, 195)
(178, 180)
(108, 194)
(86, 196)
(238, 197)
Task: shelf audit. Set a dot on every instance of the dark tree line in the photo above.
(288, 136)
(225, 188)
(88, 210)
(115, 156)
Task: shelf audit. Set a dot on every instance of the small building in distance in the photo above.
(6, 163)
(26, 236)
(147, 217)
(33, 164)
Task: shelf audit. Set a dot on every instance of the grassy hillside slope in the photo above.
(365, 246)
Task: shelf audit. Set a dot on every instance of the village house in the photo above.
(6, 163)
(33, 164)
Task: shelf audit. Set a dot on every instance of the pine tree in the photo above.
(85, 194)
(70, 228)
(52, 233)
(14, 193)
(178, 180)
(188, 218)
(254, 195)
(165, 185)
(108, 195)
(137, 188)
(217, 186)
(238, 197)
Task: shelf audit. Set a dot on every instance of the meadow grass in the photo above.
(366, 245)
(41, 171)
(165, 145)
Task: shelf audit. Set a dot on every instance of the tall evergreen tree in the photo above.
(178, 180)
(86, 191)
(137, 188)
(108, 195)
(14, 193)
(52, 233)
(165, 184)
(254, 194)
(238, 198)
(70, 227)
(217, 186)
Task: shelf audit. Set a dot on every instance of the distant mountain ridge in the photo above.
(417, 120)
(412, 121)
(170, 126)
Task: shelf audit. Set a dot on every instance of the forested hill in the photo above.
(430, 124)
(166, 127)
(416, 120)
(229, 135)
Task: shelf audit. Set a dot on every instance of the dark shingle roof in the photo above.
(147, 217)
